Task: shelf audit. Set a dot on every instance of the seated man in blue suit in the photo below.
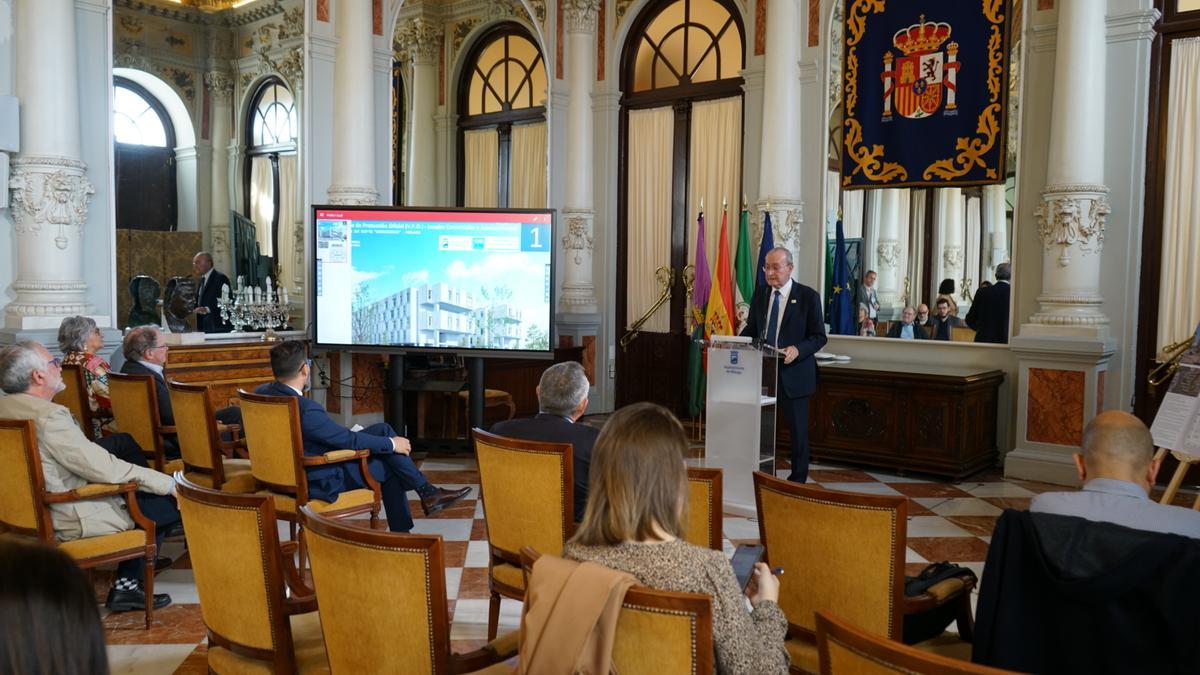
(562, 398)
(389, 463)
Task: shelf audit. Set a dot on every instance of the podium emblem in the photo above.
(733, 357)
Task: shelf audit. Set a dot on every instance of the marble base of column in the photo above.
(353, 195)
(1060, 388)
(578, 290)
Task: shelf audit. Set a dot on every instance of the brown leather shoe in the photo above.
(442, 498)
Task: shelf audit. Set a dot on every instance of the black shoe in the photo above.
(124, 601)
(174, 530)
(162, 562)
(441, 498)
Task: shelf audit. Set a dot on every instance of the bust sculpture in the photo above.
(144, 291)
(179, 299)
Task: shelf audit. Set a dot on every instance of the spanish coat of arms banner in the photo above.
(925, 90)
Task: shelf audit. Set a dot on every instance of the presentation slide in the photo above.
(434, 279)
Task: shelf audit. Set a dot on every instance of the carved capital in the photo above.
(1073, 216)
(580, 15)
(888, 253)
(787, 215)
(578, 237)
(353, 195)
(50, 191)
(419, 38)
(219, 85)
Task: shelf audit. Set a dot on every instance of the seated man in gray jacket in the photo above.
(31, 377)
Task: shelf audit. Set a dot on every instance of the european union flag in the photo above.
(841, 311)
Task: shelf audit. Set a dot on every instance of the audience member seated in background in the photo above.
(906, 328)
(49, 614)
(1117, 467)
(944, 321)
(923, 318)
(989, 310)
(79, 339)
(946, 290)
(562, 399)
(866, 327)
(69, 460)
(633, 524)
(145, 351)
(389, 463)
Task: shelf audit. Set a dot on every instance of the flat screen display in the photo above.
(462, 280)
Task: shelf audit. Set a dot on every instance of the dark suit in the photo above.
(897, 326)
(803, 327)
(396, 473)
(207, 297)
(989, 313)
(556, 429)
(166, 414)
(943, 329)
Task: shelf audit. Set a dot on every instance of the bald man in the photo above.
(1117, 467)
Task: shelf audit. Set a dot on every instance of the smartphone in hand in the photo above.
(744, 559)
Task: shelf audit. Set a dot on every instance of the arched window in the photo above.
(144, 155)
(502, 121)
(271, 179)
(681, 145)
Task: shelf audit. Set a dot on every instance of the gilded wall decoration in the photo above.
(131, 25)
(323, 10)
(459, 33)
(180, 43)
(760, 27)
(183, 80)
(622, 6)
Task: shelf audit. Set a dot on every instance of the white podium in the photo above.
(740, 405)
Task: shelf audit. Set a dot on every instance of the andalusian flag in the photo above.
(743, 271)
(720, 316)
(700, 289)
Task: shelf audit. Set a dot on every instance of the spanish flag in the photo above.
(720, 317)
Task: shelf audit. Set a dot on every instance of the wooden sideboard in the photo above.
(937, 420)
(225, 366)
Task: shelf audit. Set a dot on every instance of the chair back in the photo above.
(135, 409)
(21, 482)
(271, 425)
(704, 522)
(75, 397)
(527, 494)
(846, 648)
(360, 616)
(233, 544)
(195, 426)
(962, 334)
(844, 549)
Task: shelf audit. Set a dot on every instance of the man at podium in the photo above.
(787, 315)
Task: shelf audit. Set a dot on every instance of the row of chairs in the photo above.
(957, 333)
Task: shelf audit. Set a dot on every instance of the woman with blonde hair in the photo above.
(637, 498)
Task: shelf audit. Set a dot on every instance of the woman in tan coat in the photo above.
(633, 523)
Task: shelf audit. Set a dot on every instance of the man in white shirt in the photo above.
(1117, 467)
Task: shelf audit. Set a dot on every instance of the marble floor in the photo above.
(945, 522)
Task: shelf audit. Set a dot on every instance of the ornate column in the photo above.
(220, 87)
(995, 230)
(420, 38)
(49, 184)
(579, 293)
(1063, 351)
(353, 166)
(779, 174)
(889, 284)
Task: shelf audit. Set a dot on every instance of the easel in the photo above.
(1185, 462)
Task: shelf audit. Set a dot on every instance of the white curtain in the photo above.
(527, 182)
(262, 202)
(481, 157)
(715, 173)
(916, 248)
(291, 252)
(649, 215)
(1179, 279)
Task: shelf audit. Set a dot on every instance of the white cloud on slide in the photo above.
(494, 268)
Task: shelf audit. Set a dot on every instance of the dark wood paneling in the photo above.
(225, 367)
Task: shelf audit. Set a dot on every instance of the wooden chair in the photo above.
(658, 632)
(75, 397)
(962, 334)
(135, 412)
(846, 648)
(527, 494)
(277, 461)
(207, 460)
(1185, 463)
(390, 614)
(259, 615)
(24, 508)
(846, 552)
(882, 328)
(705, 515)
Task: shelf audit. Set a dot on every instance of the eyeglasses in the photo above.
(775, 268)
(162, 346)
(56, 362)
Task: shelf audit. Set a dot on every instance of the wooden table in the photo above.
(937, 420)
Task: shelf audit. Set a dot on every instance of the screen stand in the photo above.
(395, 392)
(475, 389)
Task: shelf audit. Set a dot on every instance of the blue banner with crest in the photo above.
(925, 92)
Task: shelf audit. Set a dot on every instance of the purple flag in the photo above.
(703, 281)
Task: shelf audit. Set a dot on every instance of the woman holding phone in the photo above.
(633, 523)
